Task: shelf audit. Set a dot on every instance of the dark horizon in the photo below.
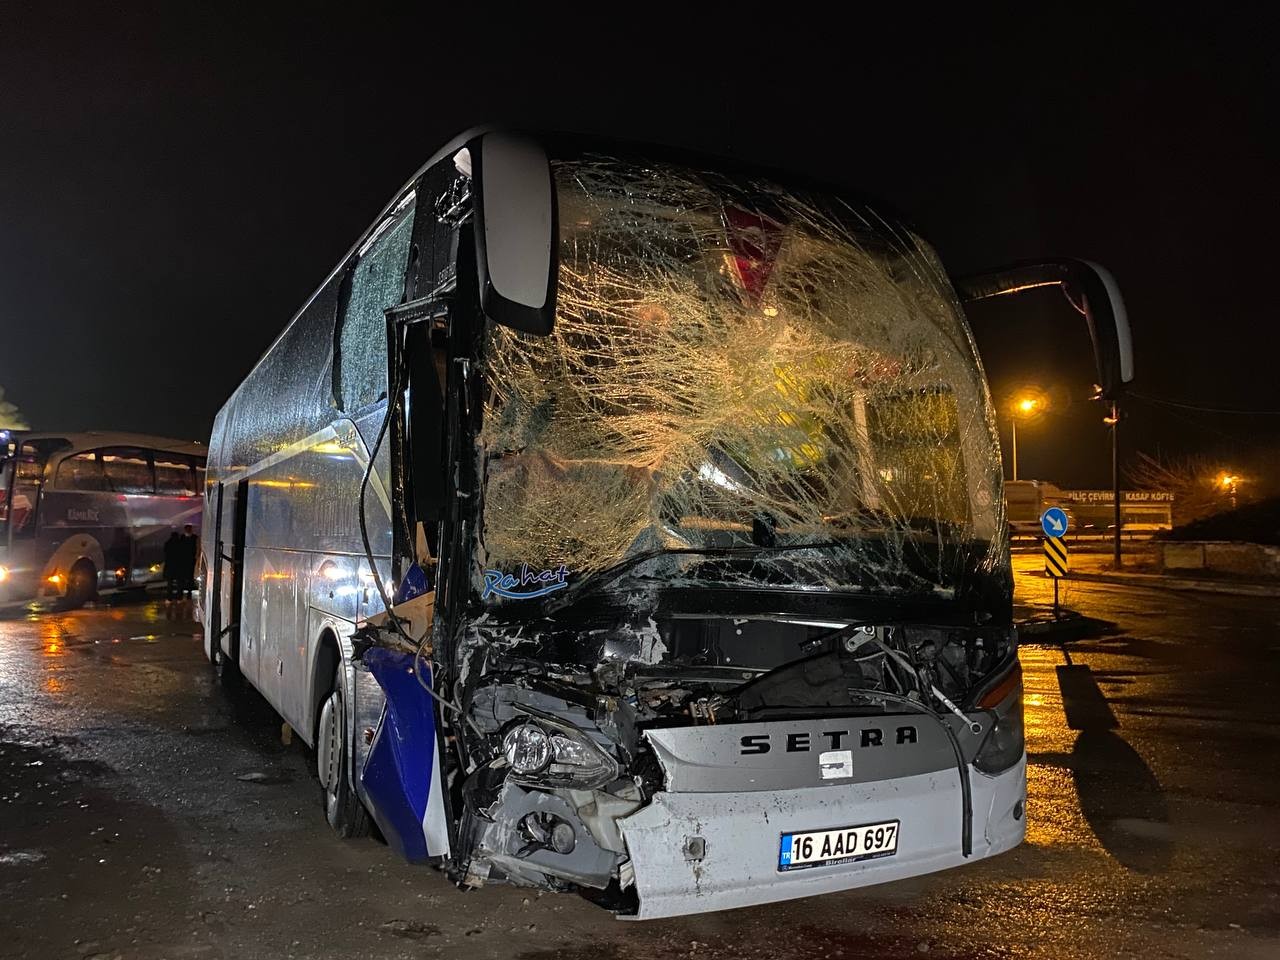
(176, 188)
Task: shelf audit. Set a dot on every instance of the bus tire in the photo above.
(342, 808)
(82, 584)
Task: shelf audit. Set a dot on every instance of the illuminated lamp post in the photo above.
(1024, 408)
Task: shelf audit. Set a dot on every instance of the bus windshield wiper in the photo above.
(602, 578)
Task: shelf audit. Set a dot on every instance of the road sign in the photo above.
(1055, 557)
(1054, 522)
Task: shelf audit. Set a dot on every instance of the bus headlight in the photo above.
(527, 748)
(543, 753)
(1006, 742)
(4, 574)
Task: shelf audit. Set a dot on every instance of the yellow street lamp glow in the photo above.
(1028, 407)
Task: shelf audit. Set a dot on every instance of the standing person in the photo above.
(174, 567)
(190, 547)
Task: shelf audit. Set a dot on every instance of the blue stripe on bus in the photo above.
(397, 774)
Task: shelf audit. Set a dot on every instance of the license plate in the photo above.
(823, 848)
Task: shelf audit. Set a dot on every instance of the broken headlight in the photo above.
(1006, 741)
(527, 748)
(549, 754)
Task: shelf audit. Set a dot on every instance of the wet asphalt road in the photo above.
(143, 813)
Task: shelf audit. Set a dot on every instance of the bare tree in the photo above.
(1195, 483)
(10, 418)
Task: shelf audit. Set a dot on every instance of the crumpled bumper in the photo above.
(742, 833)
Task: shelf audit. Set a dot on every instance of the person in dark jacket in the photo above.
(190, 550)
(174, 567)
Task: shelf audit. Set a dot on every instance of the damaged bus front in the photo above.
(725, 606)
(684, 583)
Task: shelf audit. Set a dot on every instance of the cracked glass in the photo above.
(376, 282)
(736, 367)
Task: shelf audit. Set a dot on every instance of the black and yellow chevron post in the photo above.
(1056, 564)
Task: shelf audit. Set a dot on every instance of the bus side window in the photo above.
(80, 472)
(128, 470)
(174, 475)
(374, 283)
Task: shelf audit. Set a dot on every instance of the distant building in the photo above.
(1091, 511)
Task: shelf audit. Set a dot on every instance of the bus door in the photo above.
(22, 502)
(6, 480)
(212, 586)
(19, 513)
(226, 594)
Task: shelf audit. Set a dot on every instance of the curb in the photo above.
(1180, 583)
(1043, 627)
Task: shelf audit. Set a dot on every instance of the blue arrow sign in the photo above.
(1054, 522)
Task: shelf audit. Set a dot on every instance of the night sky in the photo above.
(171, 190)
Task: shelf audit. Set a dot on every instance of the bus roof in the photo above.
(93, 439)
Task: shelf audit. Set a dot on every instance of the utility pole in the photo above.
(1014, 421)
(1029, 407)
(1115, 474)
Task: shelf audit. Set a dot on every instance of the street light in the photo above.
(1229, 482)
(1024, 408)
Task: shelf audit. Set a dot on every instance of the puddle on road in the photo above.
(26, 763)
(146, 638)
(411, 929)
(14, 857)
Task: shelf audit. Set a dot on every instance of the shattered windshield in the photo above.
(737, 366)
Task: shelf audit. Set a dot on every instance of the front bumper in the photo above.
(741, 833)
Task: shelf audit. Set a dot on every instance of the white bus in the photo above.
(88, 513)
(683, 486)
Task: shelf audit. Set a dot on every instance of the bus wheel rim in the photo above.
(332, 744)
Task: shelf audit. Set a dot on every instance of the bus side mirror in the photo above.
(1091, 289)
(516, 230)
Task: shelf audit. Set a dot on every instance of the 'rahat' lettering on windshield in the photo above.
(526, 585)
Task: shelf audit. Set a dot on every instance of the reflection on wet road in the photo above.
(143, 813)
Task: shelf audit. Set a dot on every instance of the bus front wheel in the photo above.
(342, 808)
(82, 584)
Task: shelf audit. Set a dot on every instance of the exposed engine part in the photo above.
(536, 838)
(546, 831)
(600, 813)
